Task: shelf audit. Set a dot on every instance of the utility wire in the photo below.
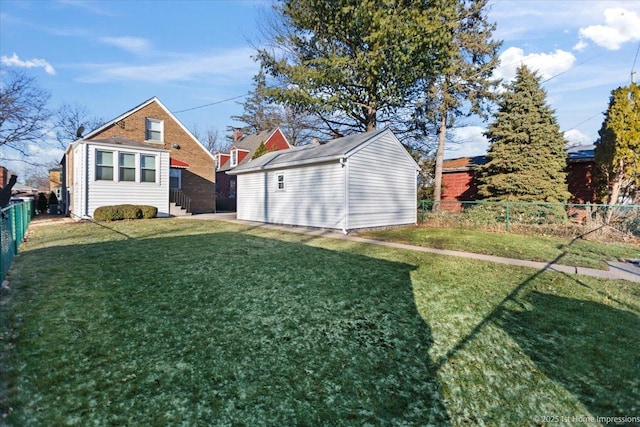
(210, 104)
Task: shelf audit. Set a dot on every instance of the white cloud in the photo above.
(131, 44)
(14, 61)
(621, 26)
(233, 64)
(575, 137)
(546, 64)
(467, 141)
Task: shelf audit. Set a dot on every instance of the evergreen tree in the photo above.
(259, 114)
(260, 151)
(617, 152)
(355, 63)
(526, 157)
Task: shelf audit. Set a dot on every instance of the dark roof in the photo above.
(462, 164)
(118, 140)
(311, 153)
(581, 153)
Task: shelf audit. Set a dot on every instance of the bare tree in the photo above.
(71, 121)
(23, 112)
(210, 139)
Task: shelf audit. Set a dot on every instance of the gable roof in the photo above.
(316, 153)
(139, 107)
(251, 143)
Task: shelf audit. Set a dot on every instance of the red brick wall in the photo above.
(198, 181)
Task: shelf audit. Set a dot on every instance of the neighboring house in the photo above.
(55, 182)
(144, 156)
(459, 181)
(243, 149)
(359, 181)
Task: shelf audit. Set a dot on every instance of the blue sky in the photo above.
(110, 56)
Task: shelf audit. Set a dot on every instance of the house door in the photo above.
(175, 179)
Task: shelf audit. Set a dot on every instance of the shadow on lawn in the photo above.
(224, 328)
(590, 348)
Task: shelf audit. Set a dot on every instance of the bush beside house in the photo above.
(120, 212)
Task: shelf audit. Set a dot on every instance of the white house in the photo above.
(113, 171)
(359, 181)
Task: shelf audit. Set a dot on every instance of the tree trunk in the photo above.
(437, 179)
(616, 186)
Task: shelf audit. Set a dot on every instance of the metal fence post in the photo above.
(507, 215)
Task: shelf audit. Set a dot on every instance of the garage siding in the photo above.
(382, 185)
(312, 196)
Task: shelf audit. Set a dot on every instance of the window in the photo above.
(147, 168)
(280, 181)
(155, 130)
(234, 158)
(104, 165)
(175, 179)
(127, 167)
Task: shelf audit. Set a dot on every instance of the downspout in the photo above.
(85, 182)
(345, 222)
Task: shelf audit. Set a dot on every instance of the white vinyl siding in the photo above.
(373, 185)
(305, 202)
(382, 185)
(116, 192)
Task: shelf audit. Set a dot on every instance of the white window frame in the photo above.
(234, 158)
(112, 165)
(121, 167)
(280, 181)
(155, 168)
(155, 123)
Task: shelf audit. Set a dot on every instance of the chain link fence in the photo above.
(617, 222)
(13, 227)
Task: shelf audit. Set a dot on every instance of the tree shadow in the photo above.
(224, 328)
(590, 348)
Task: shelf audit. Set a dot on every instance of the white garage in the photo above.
(359, 181)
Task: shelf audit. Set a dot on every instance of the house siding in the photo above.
(303, 202)
(198, 181)
(382, 185)
(88, 194)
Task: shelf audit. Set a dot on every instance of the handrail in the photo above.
(180, 199)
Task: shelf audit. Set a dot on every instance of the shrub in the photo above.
(148, 211)
(120, 212)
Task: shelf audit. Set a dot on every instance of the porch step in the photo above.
(175, 210)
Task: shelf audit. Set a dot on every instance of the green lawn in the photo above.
(185, 322)
(575, 252)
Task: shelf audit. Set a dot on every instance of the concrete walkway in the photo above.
(617, 270)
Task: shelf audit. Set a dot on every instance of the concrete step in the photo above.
(175, 210)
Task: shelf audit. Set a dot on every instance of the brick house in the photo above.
(145, 154)
(459, 181)
(241, 152)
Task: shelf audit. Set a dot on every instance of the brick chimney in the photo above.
(237, 135)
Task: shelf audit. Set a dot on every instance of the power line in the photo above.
(633, 67)
(210, 104)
